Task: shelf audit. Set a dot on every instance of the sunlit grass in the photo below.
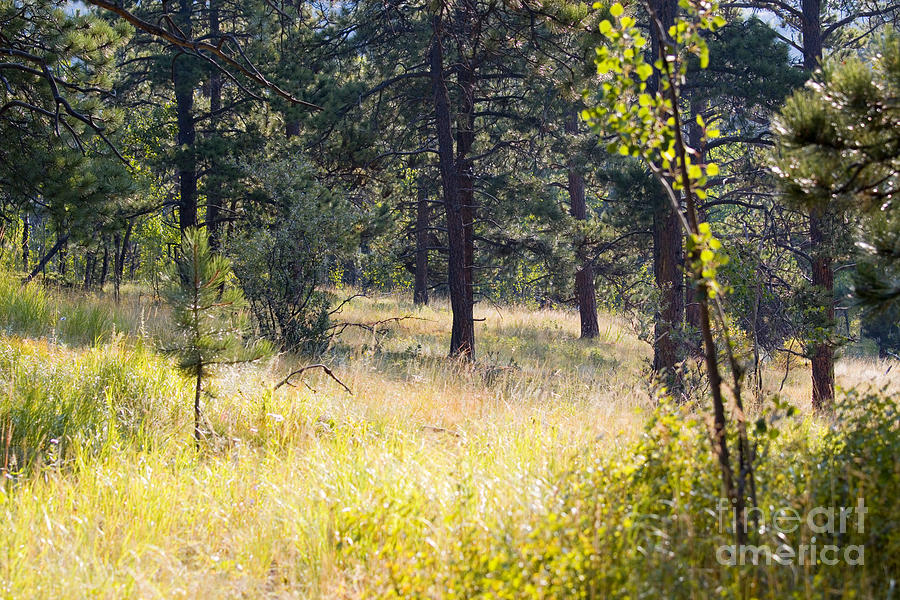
(311, 491)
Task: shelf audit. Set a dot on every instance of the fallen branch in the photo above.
(329, 372)
(344, 303)
(373, 326)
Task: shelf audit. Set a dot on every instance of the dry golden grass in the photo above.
(304, 492)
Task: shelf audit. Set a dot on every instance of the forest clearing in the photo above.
(450, 299)
(317, 492)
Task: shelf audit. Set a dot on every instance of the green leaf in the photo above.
(616, 10)
(644, 71)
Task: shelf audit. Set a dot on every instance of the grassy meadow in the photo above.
(541, 471)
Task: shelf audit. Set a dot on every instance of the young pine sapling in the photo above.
(209, 314)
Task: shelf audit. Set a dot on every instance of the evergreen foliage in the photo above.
(283, 252)
(208, 314)
(839, 147)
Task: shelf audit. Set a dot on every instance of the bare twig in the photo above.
(373, 326)
(344, 302)
(329, 372)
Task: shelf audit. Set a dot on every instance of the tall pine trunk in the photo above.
(667, 249)
(584, 277)
(823, 279)
(183, 81)
(214, 185)
(820, 234)
(462, 338)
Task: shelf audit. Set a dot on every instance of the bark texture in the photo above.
(183, 81)
(584, 277)
(462, 338)
(820, 235)
(667, 247)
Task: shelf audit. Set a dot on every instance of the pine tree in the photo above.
(209, 314)
(839, 143)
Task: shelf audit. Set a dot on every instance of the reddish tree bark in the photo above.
(820, 236)
(667, 246)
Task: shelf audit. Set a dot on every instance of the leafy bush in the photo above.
(646, 523)
(281, 256)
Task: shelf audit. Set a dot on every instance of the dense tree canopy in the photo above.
(439, 147)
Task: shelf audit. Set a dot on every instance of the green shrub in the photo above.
(645, 522)
(282, 253)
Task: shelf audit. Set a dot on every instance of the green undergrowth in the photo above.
(53, 399)
(648, 522)
(30, 310)
(316, 493)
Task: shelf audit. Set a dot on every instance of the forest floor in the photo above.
(307, 490)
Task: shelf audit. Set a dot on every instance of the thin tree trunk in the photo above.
(121, 245)
(49, 255)
(735, 493)
(420, 288)
(462, 339)
(691, 302)
(117, 244)
(104, 268)
(62, 260)
(197, 389)
(585, 294)
(214, 184)
(89, 261)
(135, 252)
(25, 242)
